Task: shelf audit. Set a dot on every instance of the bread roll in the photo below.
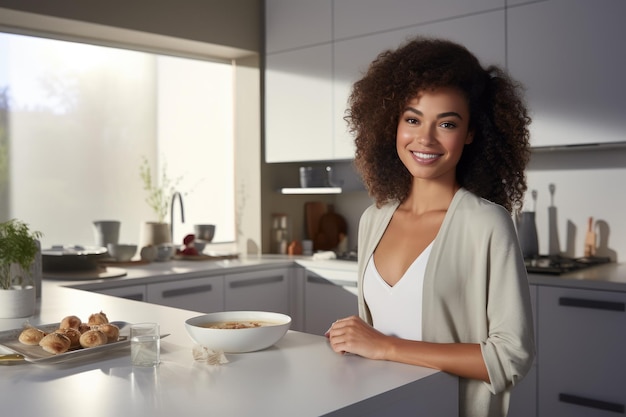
(55, 343)
(70, 322)
(97, 318)
(111, 331)
(93, 338)
(84, 327)
(31, 336)
(72, 334)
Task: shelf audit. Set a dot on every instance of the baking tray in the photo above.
(35, 354)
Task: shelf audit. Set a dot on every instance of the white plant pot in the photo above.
(17, 302)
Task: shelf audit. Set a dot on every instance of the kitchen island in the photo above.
(299, 376)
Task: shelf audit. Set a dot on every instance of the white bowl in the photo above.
(199, 245)
(238, 340)
(121, 252)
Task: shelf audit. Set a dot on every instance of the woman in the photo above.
(441, 144)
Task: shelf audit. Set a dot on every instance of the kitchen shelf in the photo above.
(311, 190)
(580, 147)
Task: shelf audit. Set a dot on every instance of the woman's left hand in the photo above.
(353, 335)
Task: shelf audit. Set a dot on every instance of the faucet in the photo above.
(182, 212)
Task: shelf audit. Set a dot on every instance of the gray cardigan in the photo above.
(475, 291)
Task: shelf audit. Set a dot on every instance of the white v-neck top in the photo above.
(397, 310)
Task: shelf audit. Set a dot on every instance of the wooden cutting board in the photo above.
(331, 226)
(313, 212)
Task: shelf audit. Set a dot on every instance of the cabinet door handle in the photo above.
(138, 296)
(592, 403)
(255, 281)
(177, 292)
(318, 280)
(323, 281)
(595, 304)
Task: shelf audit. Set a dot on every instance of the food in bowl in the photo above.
(238, 331)
(237, 324)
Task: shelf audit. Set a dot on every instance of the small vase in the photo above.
(18, 301)
(154, 233)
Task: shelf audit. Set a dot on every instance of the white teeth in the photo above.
(425, 155)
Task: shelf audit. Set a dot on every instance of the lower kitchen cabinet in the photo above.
(326, 301)
(582, 343)
(205, 295)
(131, 292)
(263, 290)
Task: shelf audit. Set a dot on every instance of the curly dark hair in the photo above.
(492, 166)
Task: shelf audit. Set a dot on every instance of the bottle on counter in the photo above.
(280, 233)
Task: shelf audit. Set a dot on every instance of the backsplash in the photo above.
(587, 184)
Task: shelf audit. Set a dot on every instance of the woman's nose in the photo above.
(425, 135)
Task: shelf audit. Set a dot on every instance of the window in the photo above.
(76, 121)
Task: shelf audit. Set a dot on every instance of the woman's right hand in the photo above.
(353, 335)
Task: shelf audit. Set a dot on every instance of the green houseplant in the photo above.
(19, 247)
(159, 193)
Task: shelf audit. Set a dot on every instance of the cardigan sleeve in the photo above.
(508, 350)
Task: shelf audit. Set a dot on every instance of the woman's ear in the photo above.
(470, 137)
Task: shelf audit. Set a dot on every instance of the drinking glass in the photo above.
(145, 344)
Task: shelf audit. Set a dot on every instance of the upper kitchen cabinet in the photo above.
(298, 81)
(297, 23)
(298, 100)
(307, 84)
(360, 17)
(570, 58)
(480, 33)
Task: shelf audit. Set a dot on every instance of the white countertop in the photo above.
(610, 277)
(299, 376)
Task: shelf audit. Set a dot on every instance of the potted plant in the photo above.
(159, 197)
(19, 247)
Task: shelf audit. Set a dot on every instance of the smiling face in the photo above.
(432, 131)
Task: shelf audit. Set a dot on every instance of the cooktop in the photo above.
(557, 265)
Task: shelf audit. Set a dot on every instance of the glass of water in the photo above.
(145, 344)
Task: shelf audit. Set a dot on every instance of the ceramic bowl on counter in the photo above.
(204, 232)
(238, 331)
(165, 251)
(122, 252)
